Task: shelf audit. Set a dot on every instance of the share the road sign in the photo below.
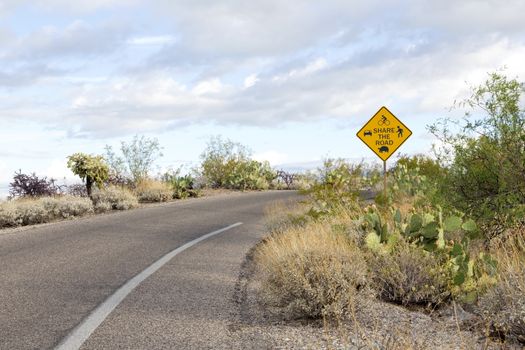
(384, 133)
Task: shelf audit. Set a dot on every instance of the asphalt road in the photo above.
(53, 276)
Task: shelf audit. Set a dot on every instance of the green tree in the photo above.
(485, 151)
(138, 157)
(91, 169)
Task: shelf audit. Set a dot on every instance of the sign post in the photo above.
(384, 179)
(384, 134)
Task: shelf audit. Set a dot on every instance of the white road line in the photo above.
(81, 333)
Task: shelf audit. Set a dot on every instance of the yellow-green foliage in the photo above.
(338, 181)
(226, 164)
(91, 169)
(26, 211)
(310, 271)
(149, 191)
(114, 198)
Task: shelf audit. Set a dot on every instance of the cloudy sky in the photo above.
(293, 80)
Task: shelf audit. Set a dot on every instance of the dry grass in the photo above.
(310, 271)
(114, 198)
(284, 214)
(409, 275)
(150, 191)
(503, 307)
(28, 211)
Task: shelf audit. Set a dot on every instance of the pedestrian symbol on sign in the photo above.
(399, 132)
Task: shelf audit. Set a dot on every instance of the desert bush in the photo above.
(409, 275)
(485, 152)
(114, 198)
(503, 307)
(150, 191)
(408, 183)
(31, 185)
(310, 271)
(226, 164)
(78, 190)
(285, 179)
(338, 184)
(293, 181)
(304, 181)
(183, 186)
(250, 175)
(424, 165)
(102, 206)
(136, 162)
(41, 210)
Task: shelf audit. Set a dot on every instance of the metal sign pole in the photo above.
(384, 180)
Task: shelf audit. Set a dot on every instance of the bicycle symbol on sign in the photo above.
(384, 121)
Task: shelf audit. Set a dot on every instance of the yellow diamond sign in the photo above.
(384, 133)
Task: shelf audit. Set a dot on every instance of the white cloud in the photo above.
(64, 6)
(4, 173)
(272, 156)
(234, 27)
(250, 80)
(79, 38)
(310, 68)
(314, 61)
(58, 170)
(211, 86)
(152, 40)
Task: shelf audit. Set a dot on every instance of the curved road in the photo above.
(53, 276)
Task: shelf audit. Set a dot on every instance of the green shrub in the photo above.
(45, 209)
(407, 182)
(226, 164)
(182, 186)
(485, 153)
(136, 162)
(425, 166)
(338, 184)
(114, 198)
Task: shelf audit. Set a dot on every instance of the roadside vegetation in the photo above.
(125, 178)
(448, 239)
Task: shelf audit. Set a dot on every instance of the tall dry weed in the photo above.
(153, 191)
(310, 271)
(503, 307)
